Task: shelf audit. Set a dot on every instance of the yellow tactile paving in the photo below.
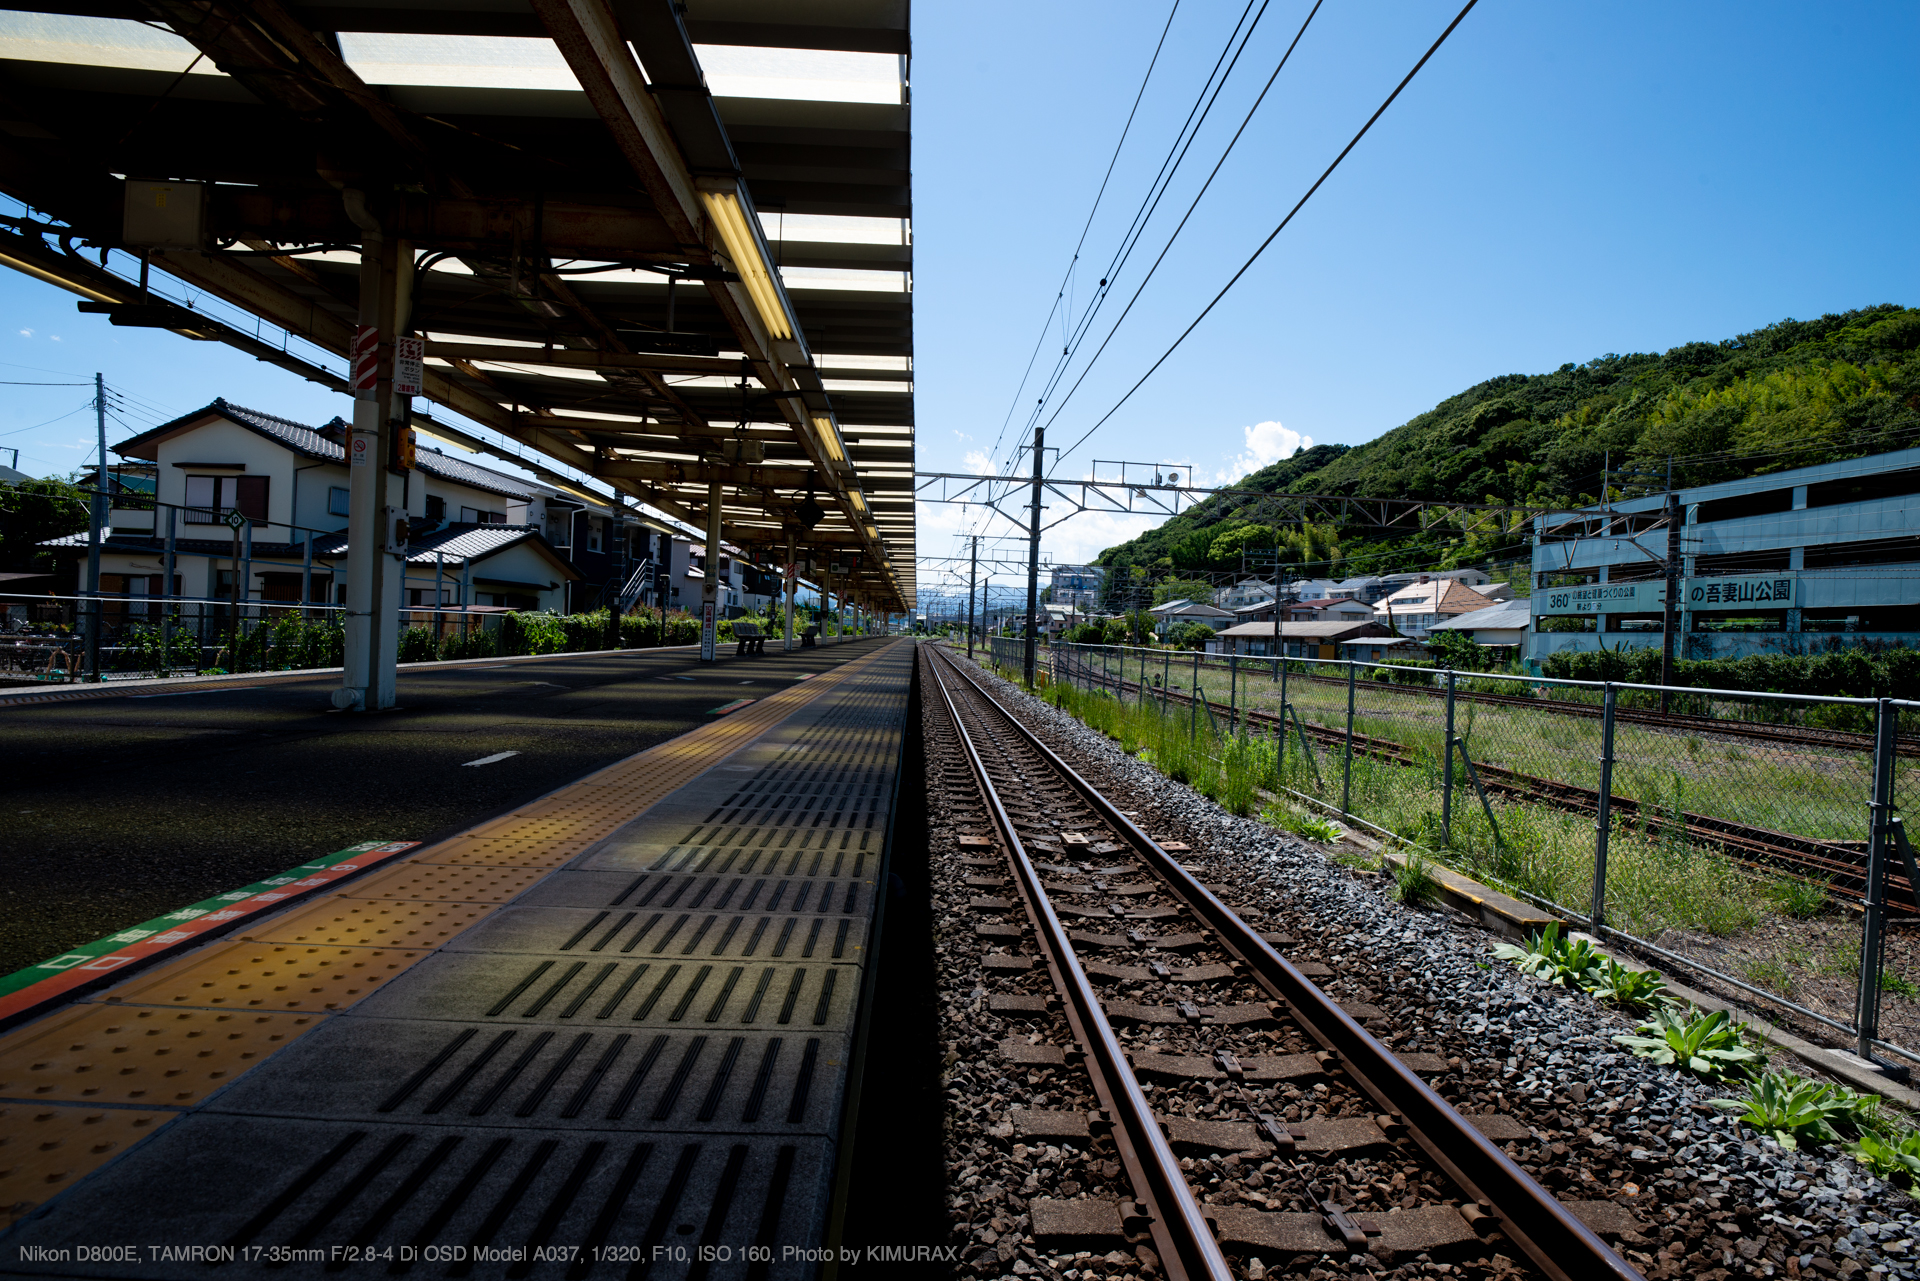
(44, 1149)
(488, 865)
(357, 922)
(143, 1056)
(445, 882)
(269, 976)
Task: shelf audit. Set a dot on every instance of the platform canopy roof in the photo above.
(665, 243)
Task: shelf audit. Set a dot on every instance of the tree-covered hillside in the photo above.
(1792, 394)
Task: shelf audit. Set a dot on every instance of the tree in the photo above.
(1455, 649)
(1191, 636)
(33, 511)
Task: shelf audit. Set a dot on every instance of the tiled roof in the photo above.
(325, 443)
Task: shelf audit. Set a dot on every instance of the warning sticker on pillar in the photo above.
(364, 378)
(409, 365)
(359, 449)
(708, 630)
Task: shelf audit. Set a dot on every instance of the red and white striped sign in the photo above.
(365, 357)
(409, 366)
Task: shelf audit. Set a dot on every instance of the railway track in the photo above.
(1799, 736)
(1232, 1000)
(1841, 867)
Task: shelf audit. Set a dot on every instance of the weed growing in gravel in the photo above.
(1413, 882)
(1625, 986)
(1552, 958)
(1708, 1045)
(1895, 1157)
(1800, 899)
(1792, 1110)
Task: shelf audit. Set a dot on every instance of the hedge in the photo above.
(1843, 673)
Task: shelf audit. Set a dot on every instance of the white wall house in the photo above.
(477, 530)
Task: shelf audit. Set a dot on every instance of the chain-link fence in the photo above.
(1733, 833)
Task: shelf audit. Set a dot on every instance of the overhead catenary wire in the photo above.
(1098, 196)
(1183, 140)
(1274, 234)
(1061, 404)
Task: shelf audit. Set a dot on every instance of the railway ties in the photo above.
(1194, 1036)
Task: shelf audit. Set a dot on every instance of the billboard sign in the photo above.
(1644, 597)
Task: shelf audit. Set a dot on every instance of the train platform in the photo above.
(610, 1033)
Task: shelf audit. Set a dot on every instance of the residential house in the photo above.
(1178, 613)
(1420, 604)
(1318, 640)
(288, 483)
(1327, 607)
(1248, 591)
(1505, 623)
(1383, 649)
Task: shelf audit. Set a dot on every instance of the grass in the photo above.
(1656, 879)
(1413, 882)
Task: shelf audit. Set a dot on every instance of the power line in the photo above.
(1098, 195)
(1183, 140)
(1184, 218)
(1274, 234)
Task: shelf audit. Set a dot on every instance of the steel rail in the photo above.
(1177, 1224)
(1557, 1242)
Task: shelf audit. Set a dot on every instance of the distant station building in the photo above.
(1791, 562)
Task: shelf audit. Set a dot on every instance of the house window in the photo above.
(475, 516)
(593, 535)
(436, 508)
(337, 500)
(210, 498)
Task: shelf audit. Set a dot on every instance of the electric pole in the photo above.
(1673, 592)
(96, 525)
(1033, 555)
(973, 576)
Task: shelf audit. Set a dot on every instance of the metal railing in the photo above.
(1753, 838)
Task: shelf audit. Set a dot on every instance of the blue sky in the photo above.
(1561, 181)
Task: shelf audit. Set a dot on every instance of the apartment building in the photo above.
(1789, 562)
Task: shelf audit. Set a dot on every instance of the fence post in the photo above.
(1233, 694)
(1346, 769)
(1866, 1016)
(1166, 674)
(167, 595)
(1603, 822)
(1193, 706)
(1446, 772)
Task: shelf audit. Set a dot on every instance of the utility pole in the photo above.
(1673, 592)
(96, 525)
(1033, 555)
(973, 576)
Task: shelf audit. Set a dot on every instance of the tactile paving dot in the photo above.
(44, 1150)
(271, 976)
(359, 922)
(124, 1054)
(531, 844)
(448, 882)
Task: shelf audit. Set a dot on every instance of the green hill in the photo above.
(1792, 394)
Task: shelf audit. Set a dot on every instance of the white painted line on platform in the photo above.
(488, 760)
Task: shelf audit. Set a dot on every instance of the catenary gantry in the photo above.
(691, 282)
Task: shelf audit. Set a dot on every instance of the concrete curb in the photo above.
(1514, 919)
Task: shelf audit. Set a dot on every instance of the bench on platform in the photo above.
(748, 638)
(809, 635)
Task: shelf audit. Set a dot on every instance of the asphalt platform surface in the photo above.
(116, 810)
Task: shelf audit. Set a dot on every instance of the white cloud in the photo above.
(978, 463)
(53, 337)
(961, 435)
(1267, 443)
(26, 333)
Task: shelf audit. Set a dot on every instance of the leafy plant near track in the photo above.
(1550, 957)
(1708, 1045)
(1625, 986)
(1792, 1110)
(1894, 1157)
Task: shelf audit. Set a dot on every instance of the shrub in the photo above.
(418, 645)
(476, 643)
(531, 633)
